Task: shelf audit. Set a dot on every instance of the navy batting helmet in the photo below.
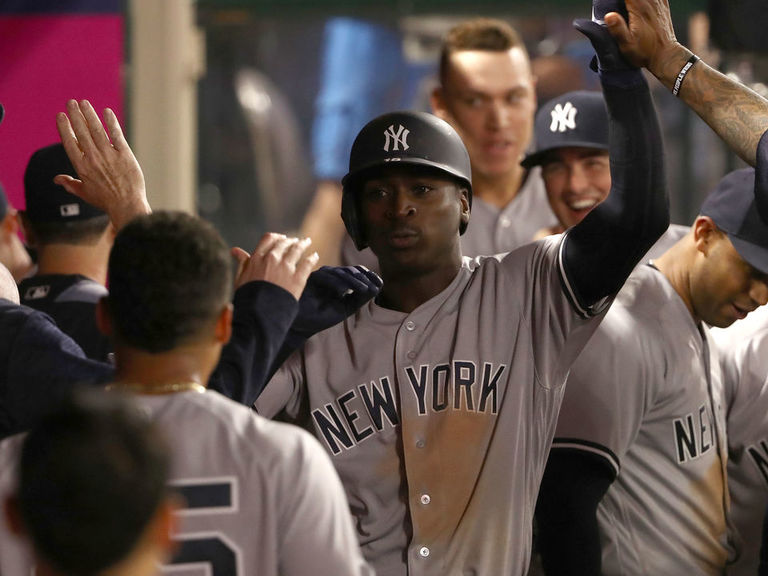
(576, 118)
(414, 138)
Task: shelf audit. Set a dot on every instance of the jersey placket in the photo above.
(419, 451)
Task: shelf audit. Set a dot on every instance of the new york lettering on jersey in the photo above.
(444, 400)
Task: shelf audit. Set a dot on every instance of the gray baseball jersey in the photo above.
(744, 356)
(646, 395)
(491, 230)
(439, 421)
(262, 498)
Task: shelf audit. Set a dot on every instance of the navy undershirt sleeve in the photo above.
(567, 533)
(601, 251)
(263, 314)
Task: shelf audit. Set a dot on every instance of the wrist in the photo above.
(667, 64)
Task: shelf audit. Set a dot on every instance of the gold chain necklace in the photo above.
(158, 388)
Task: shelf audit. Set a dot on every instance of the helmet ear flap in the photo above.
(351, 218)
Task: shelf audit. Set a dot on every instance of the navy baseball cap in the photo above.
(576, 118)
(49, 202)
(731, 205)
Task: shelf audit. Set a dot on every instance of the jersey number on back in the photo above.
(210, 551)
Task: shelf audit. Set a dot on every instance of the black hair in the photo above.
(92, 475)
(170, 275)
(77, 232)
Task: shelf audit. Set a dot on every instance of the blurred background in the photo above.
(237, 109)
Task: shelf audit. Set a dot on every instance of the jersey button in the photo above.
(505, 222)
(411, 354)
(423, 551)
(410, 326)
(419, 443)
(425, 499)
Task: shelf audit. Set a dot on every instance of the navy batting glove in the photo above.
(332, 293)
(608, 61)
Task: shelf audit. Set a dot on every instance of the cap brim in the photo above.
(754, 254)
(365, 170)
(536, 158)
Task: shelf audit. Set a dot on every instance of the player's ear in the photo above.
(465, 208)
(223, 331)
(103, 318)
(438, 103)
(13, 515)
(705, 232)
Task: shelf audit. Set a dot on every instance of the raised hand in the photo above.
(110, 175)
(283, 261)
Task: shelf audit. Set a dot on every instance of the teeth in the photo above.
(582, 204)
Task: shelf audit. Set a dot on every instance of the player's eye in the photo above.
(422, 189)
(375, 192)
(552, 169)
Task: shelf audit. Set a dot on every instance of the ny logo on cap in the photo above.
(37, 292)
(563, 117)
(69, 210)
(396, 138)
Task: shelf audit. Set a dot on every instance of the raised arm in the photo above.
(737, 114)
(601, 251)
(110, 175)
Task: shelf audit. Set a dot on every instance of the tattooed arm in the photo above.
(737, 114)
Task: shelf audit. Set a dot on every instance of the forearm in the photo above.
(602, 250)
(737, 114)
(566, 514)
(263, 316)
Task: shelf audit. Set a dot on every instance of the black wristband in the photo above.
(683, 73)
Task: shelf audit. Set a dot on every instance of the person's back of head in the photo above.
(92, 489)
(53, 215)
(170, 277)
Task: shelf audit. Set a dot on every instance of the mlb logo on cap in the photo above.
(574, 119)
(69, 210)
(37, 292)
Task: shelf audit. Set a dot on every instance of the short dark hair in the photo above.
(170, 275)
(486, 34)
(78, 232)
(92, 475)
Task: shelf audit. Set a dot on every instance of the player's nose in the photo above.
(400, 204)
(758, 292)
(577, 179)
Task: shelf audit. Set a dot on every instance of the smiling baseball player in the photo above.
(438, 401)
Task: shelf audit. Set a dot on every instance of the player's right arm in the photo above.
(737, 114)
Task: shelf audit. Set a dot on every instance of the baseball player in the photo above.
(571, 134)
(91, 489)
(72, 240)
(255, 491)
(438, 401)
(743, 352)
(487, 93)
(641, 434)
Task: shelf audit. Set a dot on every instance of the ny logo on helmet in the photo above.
(398, 139)
(563, 117)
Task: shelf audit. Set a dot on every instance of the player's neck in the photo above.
(406, 290)
(67, 259)
(675, 265)
(498, 190)
(168, 371)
